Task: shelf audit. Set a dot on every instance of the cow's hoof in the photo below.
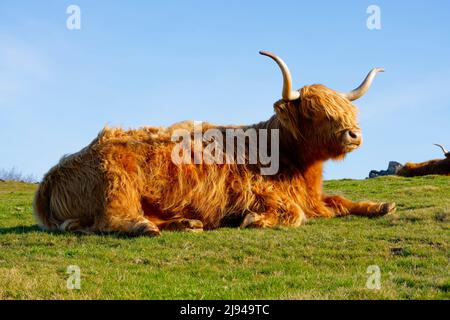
(152, 232)
(388, 208)
(194, 224)
(147, 229)
(191, 225)
(193, 230)
(250, 221)
(188, 225)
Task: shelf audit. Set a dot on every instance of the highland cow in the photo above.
(126, 181)
(438, 166)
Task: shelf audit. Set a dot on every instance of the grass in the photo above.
(324, 259)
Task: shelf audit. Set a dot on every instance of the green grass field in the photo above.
(324, 259)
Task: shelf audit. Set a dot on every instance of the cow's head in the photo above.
(322, 120)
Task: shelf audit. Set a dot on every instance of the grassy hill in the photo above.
(322, 259)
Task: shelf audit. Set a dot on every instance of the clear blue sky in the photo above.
(137, 63)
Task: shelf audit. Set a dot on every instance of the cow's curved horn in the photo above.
(365, 85)
(288, 94)
(443, 149)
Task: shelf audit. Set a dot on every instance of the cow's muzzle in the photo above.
(352, 139)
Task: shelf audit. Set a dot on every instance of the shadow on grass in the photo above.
(28, 229)
(20, 230)
(31, 229)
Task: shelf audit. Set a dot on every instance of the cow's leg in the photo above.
(167, 221)
(178, 224)
(260, 220)
(129, 224)
(276, 209)
(342, 207)
(292, 218)
(124, 214)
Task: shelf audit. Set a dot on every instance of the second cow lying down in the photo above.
(438, 166)
(126, 181)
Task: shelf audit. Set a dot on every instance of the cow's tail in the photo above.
(46, 218)
(41, 208)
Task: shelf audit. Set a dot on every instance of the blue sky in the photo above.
(136, 63)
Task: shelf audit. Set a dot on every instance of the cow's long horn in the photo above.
(365, 85)
(443, 149)
(288, 94)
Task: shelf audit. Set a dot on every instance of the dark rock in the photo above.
(392, 169)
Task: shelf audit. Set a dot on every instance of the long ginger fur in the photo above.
(125, 180)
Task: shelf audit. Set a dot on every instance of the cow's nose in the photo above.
(353, 137)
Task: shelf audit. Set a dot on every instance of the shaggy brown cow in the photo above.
(126, 181)
(439, 166)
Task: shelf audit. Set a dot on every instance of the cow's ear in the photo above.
(286, 114)
(282, 111)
